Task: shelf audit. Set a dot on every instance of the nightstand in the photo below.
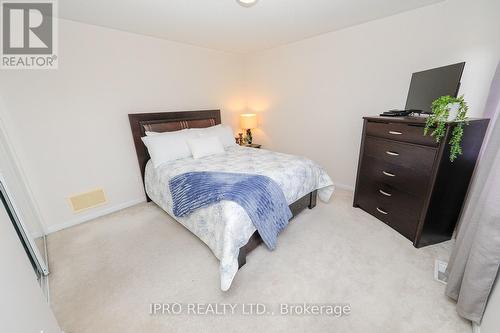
(253, 145)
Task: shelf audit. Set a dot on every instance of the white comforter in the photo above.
(225, 226)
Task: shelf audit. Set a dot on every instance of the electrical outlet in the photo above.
(440, 271)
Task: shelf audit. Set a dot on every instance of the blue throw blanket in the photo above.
(260, 196)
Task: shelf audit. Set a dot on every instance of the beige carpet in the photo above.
(105, 274)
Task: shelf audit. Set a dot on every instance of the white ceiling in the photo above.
(225, 25)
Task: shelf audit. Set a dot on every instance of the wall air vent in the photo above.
(87, 200)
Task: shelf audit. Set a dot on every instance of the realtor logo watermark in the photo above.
(29, 35)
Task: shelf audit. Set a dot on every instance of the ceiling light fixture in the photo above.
(247, 3)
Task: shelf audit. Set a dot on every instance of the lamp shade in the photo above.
(248, 120)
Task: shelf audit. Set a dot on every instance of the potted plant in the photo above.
(446, 109)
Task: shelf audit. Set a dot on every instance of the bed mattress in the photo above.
(225, 226)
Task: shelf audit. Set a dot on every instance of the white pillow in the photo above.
(168, 146)
(223, 132)
(205, 146)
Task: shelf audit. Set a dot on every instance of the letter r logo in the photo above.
(27, 28)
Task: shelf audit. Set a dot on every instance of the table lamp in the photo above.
(247, 122)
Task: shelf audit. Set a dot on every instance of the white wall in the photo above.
(70, 128)
(312, 94)
(22, 304)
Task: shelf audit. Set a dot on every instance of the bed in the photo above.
(225, 226)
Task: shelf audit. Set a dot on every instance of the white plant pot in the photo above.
(453, 111)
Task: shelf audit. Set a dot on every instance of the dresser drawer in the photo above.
(401, 154)
(413, 181)
(400, 132)
(398, 209)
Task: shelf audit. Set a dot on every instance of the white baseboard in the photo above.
(91, 216)
(344, 187)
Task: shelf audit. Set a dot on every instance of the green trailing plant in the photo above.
(437, 122)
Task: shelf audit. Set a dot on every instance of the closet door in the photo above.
(16, 199)
(22, 303)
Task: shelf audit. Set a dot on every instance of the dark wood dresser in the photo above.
(406, 179)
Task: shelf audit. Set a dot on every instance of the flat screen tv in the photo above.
(428, 85)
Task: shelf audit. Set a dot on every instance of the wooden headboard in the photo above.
(166, 122)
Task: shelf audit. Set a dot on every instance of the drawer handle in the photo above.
(395, 132)
(392, 153)
(388, 174)
(385, 193)
(382, 211)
